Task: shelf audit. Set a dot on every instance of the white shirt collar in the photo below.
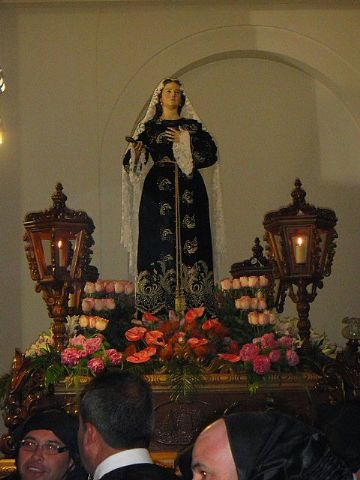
(122, 459)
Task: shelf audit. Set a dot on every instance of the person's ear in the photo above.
(90, 434)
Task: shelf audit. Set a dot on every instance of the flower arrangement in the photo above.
(246, 337)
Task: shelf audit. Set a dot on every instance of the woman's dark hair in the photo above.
(159, 110)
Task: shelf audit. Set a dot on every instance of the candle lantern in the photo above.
(301, 239)
(58, 248)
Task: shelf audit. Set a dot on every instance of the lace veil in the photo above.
(133, 180)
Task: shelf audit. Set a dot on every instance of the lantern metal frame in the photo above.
(301, 266)
(58, 245)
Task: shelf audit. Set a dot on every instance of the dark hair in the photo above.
(119, 405)
(159, 110)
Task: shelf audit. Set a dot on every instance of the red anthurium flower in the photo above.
(197, 342)
(149, 317)
(194, 313)
(135, 333)
(209, 324)
(155, 337)
(142, 356)
(230, 357)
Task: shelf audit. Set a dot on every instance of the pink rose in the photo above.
(286, 341)
(129, 288)
(263, 281)
(226, 283)
(119, 287)
(292, 358)
(101, 323)
(261, 304)
(261, 364)
(83, 321)
(135, 333)
(253, 281)
(70, 356)
(114, 356)
(96, 365)
(243, 303)
(254, 303)
(89, 287)
(93, 344)
(253, 318)
(274, 356)
(244, 281)
(87, 304)
(109, 286)
(263, 318)
(99, 286)
(109, 303)
(230, 357)
(248, 352)
(99, 304)
(268, 340)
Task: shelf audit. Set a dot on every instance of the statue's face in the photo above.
(171, 96)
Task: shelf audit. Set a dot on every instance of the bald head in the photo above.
(212, 455)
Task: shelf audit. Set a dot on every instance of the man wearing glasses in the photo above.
(46, 448)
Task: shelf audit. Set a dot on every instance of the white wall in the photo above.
(277, 84)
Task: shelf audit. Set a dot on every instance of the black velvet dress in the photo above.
(156, 259)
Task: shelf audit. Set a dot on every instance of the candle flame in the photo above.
(299, 241)
(60, 244)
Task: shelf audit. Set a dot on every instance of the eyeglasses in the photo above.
(49, 448)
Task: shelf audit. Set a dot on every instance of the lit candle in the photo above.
(61, 253)
(300, 251)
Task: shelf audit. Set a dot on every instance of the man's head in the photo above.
(211, 456)
(46, 447)
(116, 413)
(258, 446)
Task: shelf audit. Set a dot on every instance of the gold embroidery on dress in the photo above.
(165, 209)
(164, 184)
(156, 289)
(166, 234)
(189, 221)
(191, 246)
(188, 197)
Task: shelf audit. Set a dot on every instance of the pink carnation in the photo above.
(268, 340)
(96, 365)
(93, 344)
(70, 356)
(261, 364)
(286, 341)
(274, 355)
(248, 352)
(114, 356)
(292, 358)
(79, 340)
